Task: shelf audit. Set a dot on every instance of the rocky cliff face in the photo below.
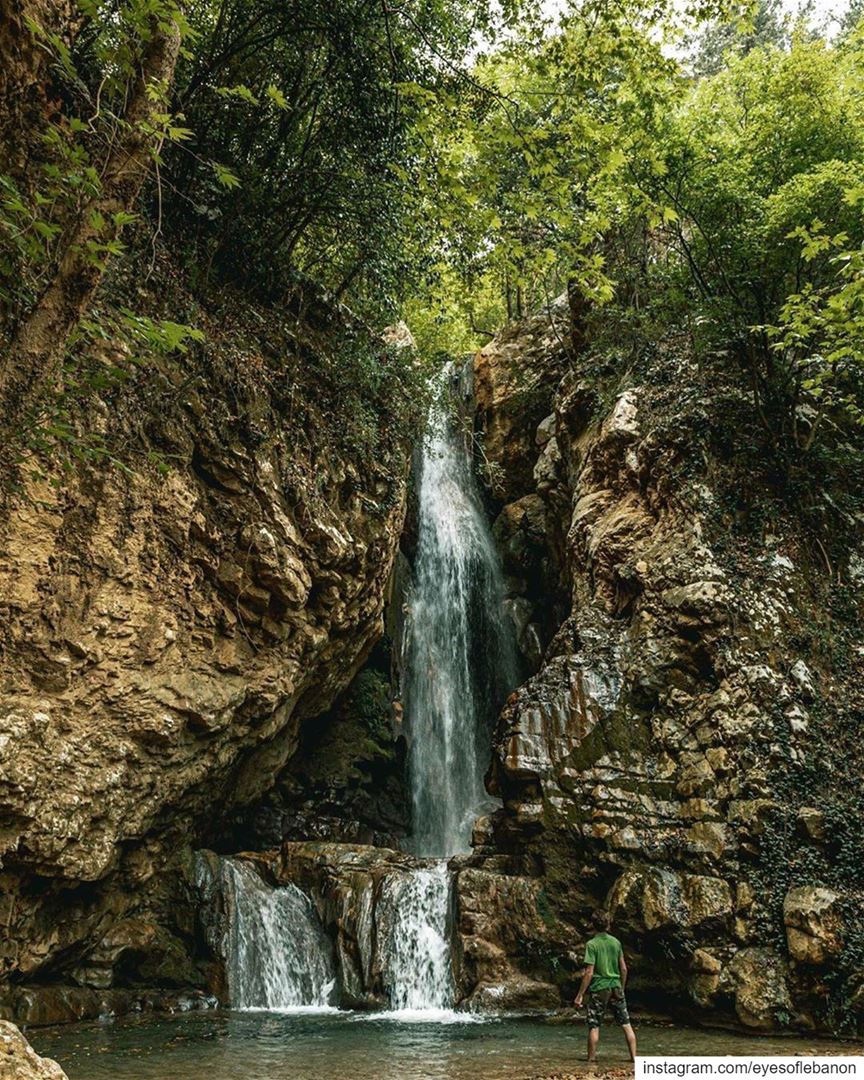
(174, 639)
(346, 782)
(688, 748)
(166, 629)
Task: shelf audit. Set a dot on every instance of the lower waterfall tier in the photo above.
(319, 924)
(277, 955)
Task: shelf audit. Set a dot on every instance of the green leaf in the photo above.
(277, 97)
(243, 93)
(225, 176)
(46, 229)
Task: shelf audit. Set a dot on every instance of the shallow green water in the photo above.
(353, 1046)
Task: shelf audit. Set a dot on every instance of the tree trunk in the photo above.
(578, 316)
(37, 347)
(25, 99)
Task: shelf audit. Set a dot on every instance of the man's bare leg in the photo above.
(630, 1036)
(593, 1039)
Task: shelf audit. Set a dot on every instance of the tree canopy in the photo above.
(459, 163)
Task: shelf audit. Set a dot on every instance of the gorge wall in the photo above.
(170, 615)
(689, 749)
(177, 642)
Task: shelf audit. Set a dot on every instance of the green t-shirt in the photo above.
(604, 951)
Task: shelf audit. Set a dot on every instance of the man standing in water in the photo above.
(605, 978)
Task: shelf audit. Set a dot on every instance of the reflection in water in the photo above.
(352, 1046)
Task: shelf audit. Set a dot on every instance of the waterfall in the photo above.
(277, 954)
(416, 957)
(460, 661)
(461, 656)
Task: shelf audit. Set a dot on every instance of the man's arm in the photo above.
(622, 970)
(587, 976)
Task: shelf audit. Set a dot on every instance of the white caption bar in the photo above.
(756, 1067)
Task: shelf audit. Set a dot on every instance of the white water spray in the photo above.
(416, 958)
(461, 656)
(277, 954)
(460, 663)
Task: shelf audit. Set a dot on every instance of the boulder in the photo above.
(759, 980)
(813, 924)
(19, 1061)
(654, 899)
(504, 924)
(811, 822)
(515, 993)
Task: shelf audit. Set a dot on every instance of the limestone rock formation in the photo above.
(813, 924)
(164, 632)
(677, 754)
(347, 780)
(352, 887)
(499, 916)
(19, 1061)
(359, 892)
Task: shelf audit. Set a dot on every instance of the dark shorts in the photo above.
(598, 1003)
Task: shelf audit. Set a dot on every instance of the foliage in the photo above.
(729, 204)
(466, 163)
(524, 173)
(766, 25)
(821, 329)
(63, 177)
(306, 110)
(754, 156)
(68, 194)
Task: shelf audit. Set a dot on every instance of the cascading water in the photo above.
(416, 958)
(277, 955)
(460, 663)
(461, 655)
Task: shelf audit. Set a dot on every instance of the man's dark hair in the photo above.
(600, 920)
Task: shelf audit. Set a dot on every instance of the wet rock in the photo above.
(514, 994)
(137, 952)
(353, 889)
(41, 1006)
(505, 928)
